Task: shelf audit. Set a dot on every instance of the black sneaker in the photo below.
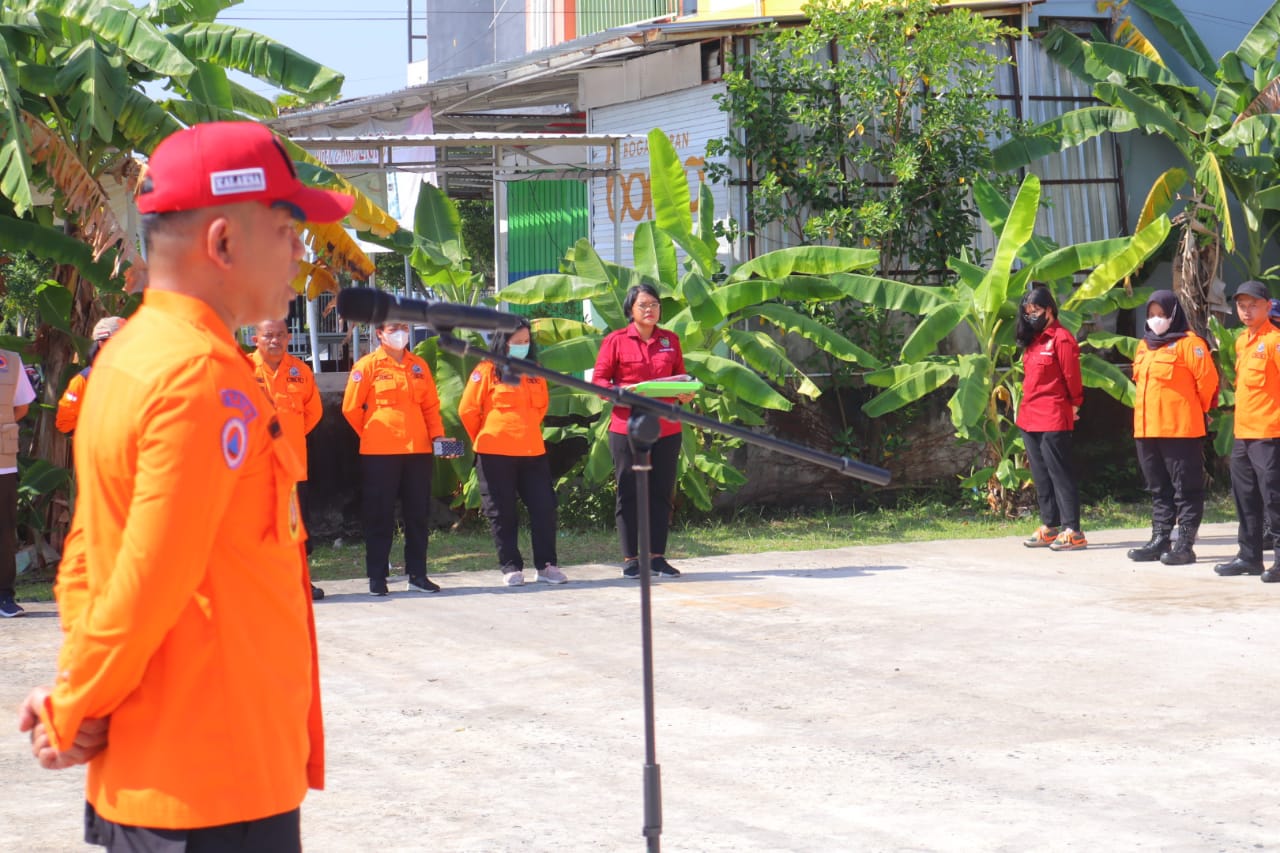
(317, 594)
(662, 567)
(378, 587)
(10, 608)
(423, 584)
(631, 569)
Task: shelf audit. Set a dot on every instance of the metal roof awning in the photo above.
(379, 153)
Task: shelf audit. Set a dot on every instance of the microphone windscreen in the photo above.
(362, 305)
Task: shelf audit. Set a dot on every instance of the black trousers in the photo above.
(280, 833)
(502, 480)
(662, 488)
(1051, 468)
(406, 476)
(1255, 485)
(8, 533)
(1174, 471)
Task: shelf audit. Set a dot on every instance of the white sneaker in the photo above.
(552, 574)
(513, 578)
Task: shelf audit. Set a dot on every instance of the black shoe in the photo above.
(423, 584)
(317, 593)
(10, 608)
(662, 567)
(1179, 556)
(1154, 550)
(1271, 575)
(1238, 567)
(378, 587)
(631, 569)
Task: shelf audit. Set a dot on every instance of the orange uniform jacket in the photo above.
(1177, 384)
(69, 405)
(1258, 383)
(392, 406)
(293, 389)
(183, 591)
(502, 419)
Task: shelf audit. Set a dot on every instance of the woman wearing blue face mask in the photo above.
(502, 412)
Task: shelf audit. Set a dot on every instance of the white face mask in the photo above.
(1159, 325)
(396, 340)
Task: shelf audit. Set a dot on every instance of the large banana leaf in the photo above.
(1107, 274)
(571, 356)
(1263, 39)
(1161, 196)
(930, 331)
(1096, 373)
(823, 337)
(118, 23)
(806, 260)
(569, 402)
(993, 291)
(1152, 114)
(15, 165)
(258, 56)
(968, 405)
(51, 244)
(552, 288)
(888, 294)
(1123, 344)
(1209, 174)
(438, 226)
(655, 254)
(548, 330)
(696, 292)
(766, 355)
(174, 12)
(1059, 134)
(913, 382)
(994, 206)
(733, 378)
(1180, 33)
(673, 203)
(93, 81)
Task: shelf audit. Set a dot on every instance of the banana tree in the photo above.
(77, 79)
(985, 302)
(1225, 136)
(732, 324)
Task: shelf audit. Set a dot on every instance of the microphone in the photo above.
(367, 305)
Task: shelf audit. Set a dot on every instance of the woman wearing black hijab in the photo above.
(1176, 386)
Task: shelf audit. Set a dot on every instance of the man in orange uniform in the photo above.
(69, 406)
(1255, 456)
(291, 385)
(183, 591)
(391, 403)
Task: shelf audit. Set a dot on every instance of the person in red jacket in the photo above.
(502, 413)
(1051, 396)
(639, 352)
(1177, 385)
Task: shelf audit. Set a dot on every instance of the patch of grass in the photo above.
(470, 549)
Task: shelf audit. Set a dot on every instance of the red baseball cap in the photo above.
(228, 162)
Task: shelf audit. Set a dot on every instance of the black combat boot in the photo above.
(1153, 550)
(1182, 554)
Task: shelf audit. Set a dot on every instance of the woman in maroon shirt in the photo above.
(639, 353)
(1051, 398)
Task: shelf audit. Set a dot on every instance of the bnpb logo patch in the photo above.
(235, 442)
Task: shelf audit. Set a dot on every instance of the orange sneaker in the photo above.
(1042, 538)
(1069, 540)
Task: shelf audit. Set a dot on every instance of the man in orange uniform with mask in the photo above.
(188, 678)
(291, 385)
(391, 403)
(69, 406)
(1255, 456)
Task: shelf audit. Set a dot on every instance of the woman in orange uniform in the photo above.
(391, 403)
(1176, 384)
(502, 413)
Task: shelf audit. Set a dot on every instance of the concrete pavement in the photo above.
(953, 695)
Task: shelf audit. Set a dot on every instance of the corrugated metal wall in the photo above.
(597, 15)
(544, 219)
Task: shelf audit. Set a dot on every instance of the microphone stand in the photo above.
(643, 430)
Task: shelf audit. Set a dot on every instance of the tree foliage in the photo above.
(867, 127)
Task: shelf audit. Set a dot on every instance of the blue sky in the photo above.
(364, 39)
